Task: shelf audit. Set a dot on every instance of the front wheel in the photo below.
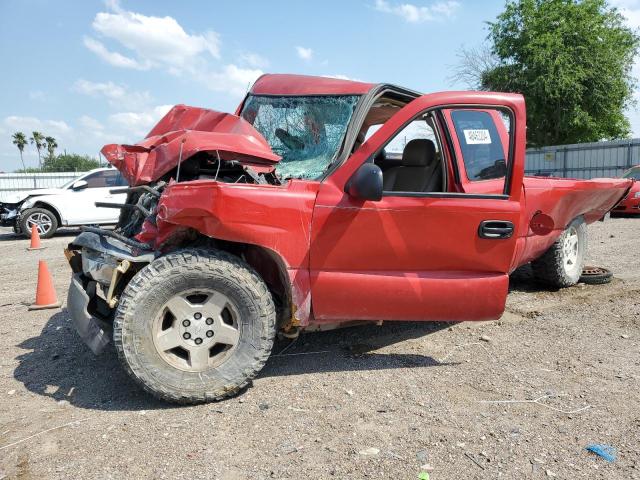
(194, 326)
(561, 265)
(43, 219)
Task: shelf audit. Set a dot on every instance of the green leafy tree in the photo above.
(19, 139)
(37, 139)
(69, 163)
(51, 145)
(572, 61)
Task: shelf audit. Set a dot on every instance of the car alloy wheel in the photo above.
(40, 220)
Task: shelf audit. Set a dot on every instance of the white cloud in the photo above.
(113, 58)
(89, 123)
(137, 123)
(304, 53)
(342, 77)
(117, 95)
(254, 60)
(27, 125)
(37, 95)
(418, 14)
(58, 126)
(232, 79)
(58, 129)
(162, 43)
(630, 9)
(154, 41)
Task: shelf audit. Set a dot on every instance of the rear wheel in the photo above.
(43, 219)
(195, 326)
(561, 265)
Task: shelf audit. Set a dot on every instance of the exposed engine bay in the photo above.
(142, 201)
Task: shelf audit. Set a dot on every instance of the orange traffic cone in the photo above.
(45, 293)
(35, 239)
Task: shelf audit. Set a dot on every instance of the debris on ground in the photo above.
(369, 451)
(606, 452)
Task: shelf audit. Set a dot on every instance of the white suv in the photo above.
(72, 204)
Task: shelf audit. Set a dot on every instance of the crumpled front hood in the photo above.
(17, 197)
(196, 130)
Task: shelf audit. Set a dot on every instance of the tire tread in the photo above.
(206, 261)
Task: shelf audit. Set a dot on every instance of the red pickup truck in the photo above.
(294, 214)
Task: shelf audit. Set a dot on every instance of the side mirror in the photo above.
(366, 183)
(79, 185)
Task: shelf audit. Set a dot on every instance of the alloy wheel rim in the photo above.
(197, 330)
(571, 251)
(41, 221)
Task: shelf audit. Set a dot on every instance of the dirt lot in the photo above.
(368, 402)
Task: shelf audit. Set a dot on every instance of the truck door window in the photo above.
(412, 160)
(483, 137)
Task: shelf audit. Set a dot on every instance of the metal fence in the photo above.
(16, 182)
(585, 160)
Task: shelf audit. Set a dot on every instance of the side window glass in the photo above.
(100, 179)
(412, 161)
(120, 181)
(483, 137)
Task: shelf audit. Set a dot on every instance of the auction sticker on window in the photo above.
(477, 137)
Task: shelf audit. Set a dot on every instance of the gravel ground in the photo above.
(366, 402)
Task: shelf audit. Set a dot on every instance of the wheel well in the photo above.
(267, 263)
(51, 208)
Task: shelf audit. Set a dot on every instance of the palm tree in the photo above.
(20, 141)
(51, 146)
(37, 139)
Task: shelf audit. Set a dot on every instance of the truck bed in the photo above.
(564, 199)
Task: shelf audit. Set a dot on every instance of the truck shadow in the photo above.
(56, 364)
(523, 280)
(351, 349)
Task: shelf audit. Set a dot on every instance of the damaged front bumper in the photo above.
(8, 215)
(93, 331)
(99, 264)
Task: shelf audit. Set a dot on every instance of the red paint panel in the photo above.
(283, 84)
(433, 296)
(429, 239)
(275, 217)
(630, 204)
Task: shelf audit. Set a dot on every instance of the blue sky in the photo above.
(93, 72)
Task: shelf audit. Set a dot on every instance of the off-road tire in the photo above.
(24, 216)
(550, 267)
(181, 271)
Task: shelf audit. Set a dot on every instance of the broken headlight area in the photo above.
(8, 214)
(104, 261)
(102, 266)
(142, 201)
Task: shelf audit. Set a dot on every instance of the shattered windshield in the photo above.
(305, 131)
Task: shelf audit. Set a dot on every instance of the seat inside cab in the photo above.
(420, 169)
(412, 160)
